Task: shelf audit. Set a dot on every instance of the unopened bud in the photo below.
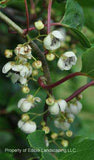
(25, 89)
(8, 53)
(79, 97)
(37, 64)
(54, 135)
(50, 57)
(25, 117)
(46, 129)
(70, 120)
(34, 72)
(39, 25)
(64, 143)
(50, 101)
(69, 133)
(43, 123)
(68, 38)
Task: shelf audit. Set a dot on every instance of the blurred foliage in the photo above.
(10, 135)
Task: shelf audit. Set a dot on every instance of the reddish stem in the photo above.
(33, 28)
(79, 91)
(4, 2)
(49, 16)
(27, 16)
(60, 81)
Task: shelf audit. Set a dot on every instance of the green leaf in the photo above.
(74, 16)
(80, 151)
(5, 138)
(7, 156)
(74, 20)
(47, 155)
(88, 62)
(37, 139)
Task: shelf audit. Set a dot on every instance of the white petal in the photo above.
(54, 109)
(20, 123)
(71, 54)
(7, 67)
(14, 77)
(47, 42)
(29, 127)
(23, 80)
(61, 64)
(17, 68)
(26, 106)
(20, 102)
(57, 35)
(62, 104)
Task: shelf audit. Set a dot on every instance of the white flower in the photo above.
(53, 40)
(27, 127)
(24, 70)
(23, 49)
(39, 25)
(25, 104)
(75, 108)
(57, 107)
(7, 67)
(66, 61)
(60, 124)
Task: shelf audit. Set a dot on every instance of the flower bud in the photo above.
(50, 101)
(43, 123)
(64, 143)
(54, 135)
(25, 89)
(46, 129)
(34, 73)
(69, 133)
(8, 53)
(39, 25)
(50, 57)
(37, 64)
(68, 39)
(25, 117)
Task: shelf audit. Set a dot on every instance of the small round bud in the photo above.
(54, 135)
(25, 117)
(68, 38)
(50, 101)
(69, 133)
(34, 73)
(61, 133)
(50, 57)
(46, 129)
(8, 53)
(37, 64)
(39, 25)
(25, 89)
(43, 123)
(70, 120)
(64, 143)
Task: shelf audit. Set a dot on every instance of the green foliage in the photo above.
(82, 150)
(7, 156)
(74, 16)
(37, 139)
(74, 20)
(88, 62)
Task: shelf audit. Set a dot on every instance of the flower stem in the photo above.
(27, 16)
(79, 91)
(60, 81)
(49, 16)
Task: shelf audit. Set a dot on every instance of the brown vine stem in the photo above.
(36, 49)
